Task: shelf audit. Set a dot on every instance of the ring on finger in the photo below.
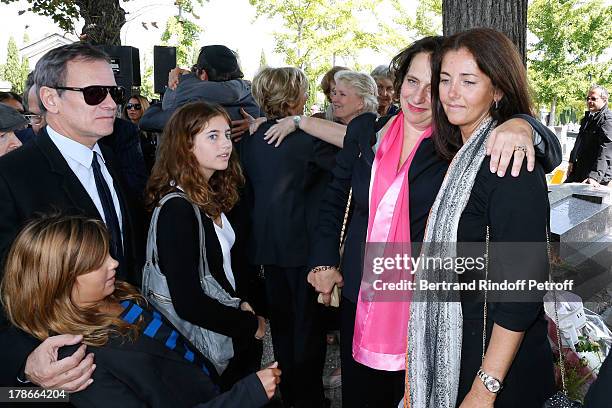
(520, 148)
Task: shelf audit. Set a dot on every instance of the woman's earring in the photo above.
(496, 105)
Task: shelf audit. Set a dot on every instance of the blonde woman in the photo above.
(285, 184)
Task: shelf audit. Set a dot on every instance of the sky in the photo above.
(228, 22)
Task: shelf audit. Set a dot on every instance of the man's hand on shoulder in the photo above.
(72, 373)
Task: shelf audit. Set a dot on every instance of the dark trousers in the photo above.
(363, 386)
(246, 360)
(297, 335)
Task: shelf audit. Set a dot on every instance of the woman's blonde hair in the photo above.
(364, 85)
(279, 90)
(176, 165)
(41, 270)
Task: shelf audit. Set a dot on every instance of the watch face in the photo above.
(492, 384)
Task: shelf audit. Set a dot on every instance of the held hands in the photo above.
(270, 378)
(502, 144)
(323, 282)
(277, 133)
(72, 374)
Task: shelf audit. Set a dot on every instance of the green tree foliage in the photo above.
(146, 82)
(103, 19)
(426, 21)
(570, 51)
(316, 33)
(182, 33)
(15, 70)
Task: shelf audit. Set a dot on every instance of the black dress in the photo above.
(516, 210)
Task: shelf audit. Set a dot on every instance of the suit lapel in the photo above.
(70, 182)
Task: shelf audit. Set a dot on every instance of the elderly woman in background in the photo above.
(384, 81)
(354, 94)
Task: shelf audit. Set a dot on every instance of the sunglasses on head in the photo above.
(133, 106)
(95, 94)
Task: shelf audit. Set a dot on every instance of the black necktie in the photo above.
(110, 215)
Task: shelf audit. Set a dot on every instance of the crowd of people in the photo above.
(144, 256)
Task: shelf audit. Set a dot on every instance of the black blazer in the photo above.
(592, 152)
(36, 179)
(353, 169)
(146, 373)
(125, 145)
(284, 188)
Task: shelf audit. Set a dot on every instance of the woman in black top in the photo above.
(60, 278)
(479, 80)
(196, 159)
(284, 185)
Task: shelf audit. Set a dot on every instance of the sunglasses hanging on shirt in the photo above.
(95, 94)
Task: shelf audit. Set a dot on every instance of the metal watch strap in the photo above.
(486, 379)
(296, 121)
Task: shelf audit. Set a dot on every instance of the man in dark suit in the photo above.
(65, 169)
(591, 158)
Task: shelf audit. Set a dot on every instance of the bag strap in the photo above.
(152, 254)
(345, 220)
(550, 279)
(554, 291)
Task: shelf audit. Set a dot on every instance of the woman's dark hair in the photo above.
(400, 64)
(498, 59)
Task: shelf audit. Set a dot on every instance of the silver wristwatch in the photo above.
(491, 383)
(296, 121)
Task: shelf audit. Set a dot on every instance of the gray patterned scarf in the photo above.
(436, 321)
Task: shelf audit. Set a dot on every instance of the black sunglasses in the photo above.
(135, 106)
(95, 94)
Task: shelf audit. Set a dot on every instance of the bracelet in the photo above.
(321, 269)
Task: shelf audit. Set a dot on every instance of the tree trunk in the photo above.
(103, 21)
(506, 16)
(553, 112)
